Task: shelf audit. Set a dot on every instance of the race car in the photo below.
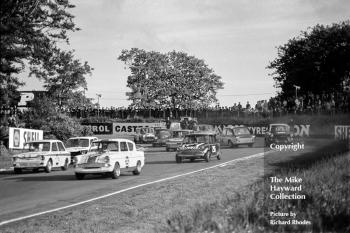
(162, 135)
(42, 154)
(177, 138)
(199, 145)
(278, 134)
(235, 136)
(144, 135)
(77, 146)
(112, 157)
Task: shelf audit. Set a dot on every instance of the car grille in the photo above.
(92, 159)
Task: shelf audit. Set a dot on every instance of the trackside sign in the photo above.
(19, 136)
(100, 128)
(130, 128)
(120, 128)
(342, 132)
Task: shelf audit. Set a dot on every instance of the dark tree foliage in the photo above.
(173, 80)
(318, 61)
(29, 29)
(63, 77)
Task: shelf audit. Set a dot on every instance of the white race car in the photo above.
(112, 156)
(45, 154)
(77, 146)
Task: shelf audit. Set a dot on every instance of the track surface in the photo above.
(30, 193)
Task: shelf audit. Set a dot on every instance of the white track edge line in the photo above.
(130, 188)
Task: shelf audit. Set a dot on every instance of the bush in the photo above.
(56, 125)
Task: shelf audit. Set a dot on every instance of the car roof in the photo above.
(82, 138)
(44, 140)
(114, 140)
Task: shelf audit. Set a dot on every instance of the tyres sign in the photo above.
(100, 128)
(19, 136)
(342, 132)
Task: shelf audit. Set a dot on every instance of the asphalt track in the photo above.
(30, 193)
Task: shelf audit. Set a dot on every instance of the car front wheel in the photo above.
(207, 156)
(48, 167)
(116, 171)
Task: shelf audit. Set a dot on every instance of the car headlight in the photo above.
(106, 159)
(14, 159)
(202, 147)
(42, 157)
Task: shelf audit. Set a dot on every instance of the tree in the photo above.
(171, 80)
(28, 29)
(318, 61)
(63, 76)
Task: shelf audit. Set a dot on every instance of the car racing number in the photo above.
(127, 161)
(213, 149)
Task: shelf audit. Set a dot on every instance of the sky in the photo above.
(236, 38)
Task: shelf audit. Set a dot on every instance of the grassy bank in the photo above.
(326, 185)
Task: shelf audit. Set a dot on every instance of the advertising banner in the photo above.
(19, 136)
(261, 130)
(130, 128)
(342, 132)
(100, 128)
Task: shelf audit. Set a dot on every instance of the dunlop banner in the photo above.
(261, 130)
(19, 136)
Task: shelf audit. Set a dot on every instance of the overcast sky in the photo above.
(237, 38)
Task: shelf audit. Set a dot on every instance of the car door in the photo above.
(63, 154)
(55, 155)
(124, 155)
(132, 155)
(213, 145)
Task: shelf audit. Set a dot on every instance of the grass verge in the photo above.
(326, 185)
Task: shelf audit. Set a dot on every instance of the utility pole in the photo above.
(296, 91)
(98, 104)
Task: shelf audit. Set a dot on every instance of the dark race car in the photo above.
(161, 137)
(199, 145)
(278, 134)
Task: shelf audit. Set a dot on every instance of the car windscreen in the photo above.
(76, 142)
(240, 131)
(164, 134)
(37, 146)
(107, 146)
(196, 139)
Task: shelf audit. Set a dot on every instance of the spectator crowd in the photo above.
(305, 104)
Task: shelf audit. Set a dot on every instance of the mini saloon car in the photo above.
(144, 135)
(162, 135)
(199, 145)
(43, 154)
(236, 136)
(112, 157)
(278, 134)
(177, 137)
(77, 146)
